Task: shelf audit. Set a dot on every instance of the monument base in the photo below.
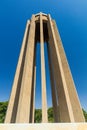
(45, 126)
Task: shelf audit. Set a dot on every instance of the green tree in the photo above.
(38, 116)
(85, 114)
(3, 108)
(50, 115)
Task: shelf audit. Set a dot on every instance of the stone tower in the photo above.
(66, 105)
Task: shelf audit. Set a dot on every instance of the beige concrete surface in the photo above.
(75, 103)
(14, 97)
(66, 103)
(57, 126)
(65, 112)
(43, 74)
(34, 94)
(53, 90)
(24, 107)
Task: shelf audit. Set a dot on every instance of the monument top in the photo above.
(41, 13)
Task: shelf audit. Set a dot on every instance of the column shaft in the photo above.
(23, 113)
(66, 114)
(65, 102)
(14, 97)
(34, 94)
(53, 90)
(43, 75)
(33, 97)
(75, 103)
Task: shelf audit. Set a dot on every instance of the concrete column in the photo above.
(75, 103)
(34, 94)
(53, 90)
(66, 114)
(32, 105)
(23, 112)
(33, 98)
(43, 75)
(66, 104)
(14, 97)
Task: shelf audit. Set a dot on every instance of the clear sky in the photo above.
(71, 19)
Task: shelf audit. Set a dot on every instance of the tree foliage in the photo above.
(85, 114)
(3, 108)
(38, 116)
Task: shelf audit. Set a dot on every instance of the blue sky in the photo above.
(71, 19)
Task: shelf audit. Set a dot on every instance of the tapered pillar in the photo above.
(14, 98)
(23, 112)
(33, 97)
(43, 75)
(68, 101)
(53, 90)
(34, 94)
(75, 103)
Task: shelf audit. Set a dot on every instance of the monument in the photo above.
(66, 106)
